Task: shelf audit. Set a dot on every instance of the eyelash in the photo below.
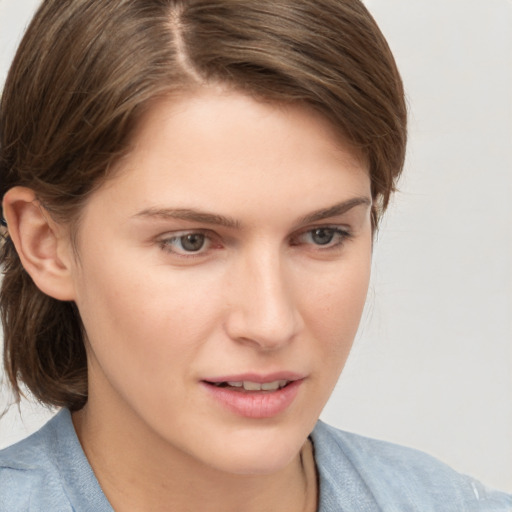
(167, 243)
(339, 236)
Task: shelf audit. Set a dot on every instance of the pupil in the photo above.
(322, 236)
(193, 242)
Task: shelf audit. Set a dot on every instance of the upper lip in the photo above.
(256, 377)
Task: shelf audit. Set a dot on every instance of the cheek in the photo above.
(149, 319)
(144, 334)
(333, 307)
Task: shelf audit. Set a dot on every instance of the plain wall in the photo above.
(432, 365)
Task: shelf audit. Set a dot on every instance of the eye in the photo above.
(192, 242)
(187, 243)
(325, 237)
(322, 236)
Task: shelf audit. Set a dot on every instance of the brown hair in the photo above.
(87, 69)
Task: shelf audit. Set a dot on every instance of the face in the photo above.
(221, 277)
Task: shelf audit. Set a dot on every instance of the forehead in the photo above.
(218, 148)
(214, 108)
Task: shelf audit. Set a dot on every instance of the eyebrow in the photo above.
(335, 210)
(191, 215)
(228, 222)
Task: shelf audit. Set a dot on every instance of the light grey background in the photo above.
(432, 366)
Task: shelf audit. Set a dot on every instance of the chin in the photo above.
(260, 463)
(255, 452)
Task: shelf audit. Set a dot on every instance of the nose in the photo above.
(262, 303)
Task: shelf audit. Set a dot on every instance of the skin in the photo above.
(261, 296)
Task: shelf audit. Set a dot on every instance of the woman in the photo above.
(190, 191)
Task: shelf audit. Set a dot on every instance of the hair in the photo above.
(85, 72)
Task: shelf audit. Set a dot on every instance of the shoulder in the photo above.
(385, 476)
(49, 471)
(29, 477)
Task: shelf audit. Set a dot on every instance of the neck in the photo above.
(139, 472)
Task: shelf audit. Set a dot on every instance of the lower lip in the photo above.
(255, 404)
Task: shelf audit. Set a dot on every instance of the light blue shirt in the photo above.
(48, 472)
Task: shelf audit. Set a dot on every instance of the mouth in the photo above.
(244, 386)
(253, 396)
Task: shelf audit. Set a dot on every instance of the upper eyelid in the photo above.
(183, 232)
(208, 231)
(341, 228)
(213, 234)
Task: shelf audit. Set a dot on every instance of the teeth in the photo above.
(266, 386)
(252, 386)
(255, 386)
(270, 386)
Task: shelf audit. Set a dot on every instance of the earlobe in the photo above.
(42, 246)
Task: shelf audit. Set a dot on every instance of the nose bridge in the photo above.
(263, 308)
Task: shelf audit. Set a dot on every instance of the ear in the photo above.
(42, 245)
